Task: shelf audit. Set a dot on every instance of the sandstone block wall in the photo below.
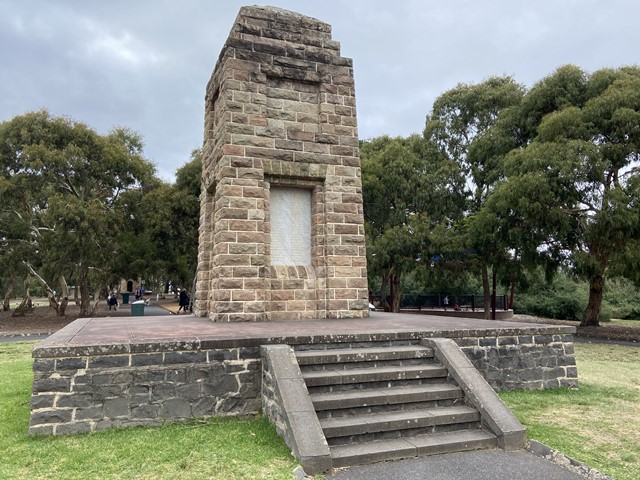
(280, 113)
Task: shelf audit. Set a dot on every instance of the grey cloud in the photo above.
(144, 64)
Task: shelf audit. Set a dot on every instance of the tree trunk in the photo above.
(392, 291)
(591, 316)
(383, 292)
(395, 298)
(493, 292)
(26, 305)
(6, 304)
(64, 288)
(513, 292)
(96, 299)
(85, 297)
(76, 299)
(53, 302)
(592, 313)
(62, 307)
(486, 292)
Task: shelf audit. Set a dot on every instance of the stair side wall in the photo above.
(286, 402)
(495, 414)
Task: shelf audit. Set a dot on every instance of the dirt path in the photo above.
(44, 320)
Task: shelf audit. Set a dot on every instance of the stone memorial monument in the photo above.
(281, 227)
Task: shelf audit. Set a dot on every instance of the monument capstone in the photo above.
(281, 228)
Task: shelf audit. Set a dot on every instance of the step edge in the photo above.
(481, 435)
(373, 419)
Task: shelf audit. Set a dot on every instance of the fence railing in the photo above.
(426, 301)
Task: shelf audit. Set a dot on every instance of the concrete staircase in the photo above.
(363, 403)
(385, 403)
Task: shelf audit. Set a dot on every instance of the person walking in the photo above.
(183, 301)
(112, 301)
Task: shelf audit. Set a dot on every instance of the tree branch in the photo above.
(38, 277)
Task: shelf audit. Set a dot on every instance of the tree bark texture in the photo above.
(6, 303)
(383, 292)
(395, 297)
(486, 292)
(592, 313)
(26, 305)
(493, 293)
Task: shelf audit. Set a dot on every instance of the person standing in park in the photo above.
(139, 293)
(112, 301)
(183, 301)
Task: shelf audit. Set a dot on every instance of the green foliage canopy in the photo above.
(573, 186)
(61, 183)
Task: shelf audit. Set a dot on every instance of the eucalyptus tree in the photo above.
(460, 127)
(161, 243)
(405, 194)
(61, 182)
(574, 185)
(186, 218)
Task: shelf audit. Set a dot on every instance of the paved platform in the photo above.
(136, 334)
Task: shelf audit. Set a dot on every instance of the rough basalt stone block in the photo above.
(109, 361)
(44, 400)
(116, 407)
(51, 416)
(175, 408)
(73, 428)
(52, 385)
(71, 363)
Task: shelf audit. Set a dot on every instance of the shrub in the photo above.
(563, 298)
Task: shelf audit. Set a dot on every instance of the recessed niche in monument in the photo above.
(290, 212)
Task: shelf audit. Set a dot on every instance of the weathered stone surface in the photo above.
(280, 112)
(71, 363)
(228, 381)
(116, 407)
(44, 400)
(52, 384)
(44, 417)
(73, 428)
(524, 361)
(109, 361)
(176, 408)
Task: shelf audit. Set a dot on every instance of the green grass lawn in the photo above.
(628, 323)
(598, 424)
(218, 449)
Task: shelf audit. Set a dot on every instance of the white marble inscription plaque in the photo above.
(290, 210)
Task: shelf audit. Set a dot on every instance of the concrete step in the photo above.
(373, 354)
(406, 447)
(398, 420)
(384, 396)
(374, 374)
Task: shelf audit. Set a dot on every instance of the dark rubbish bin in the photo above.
(137, 309)
(125, 297)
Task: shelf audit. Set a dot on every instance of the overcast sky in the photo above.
(145, 64)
